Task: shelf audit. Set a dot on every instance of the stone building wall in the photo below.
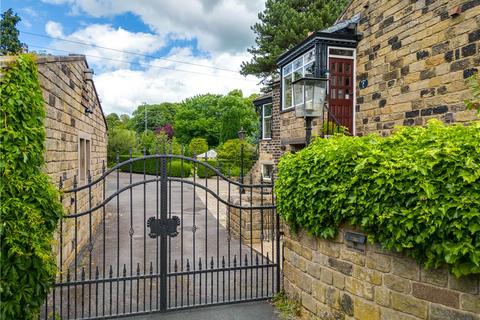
(333, 281)
(66, 94)
(416, 56)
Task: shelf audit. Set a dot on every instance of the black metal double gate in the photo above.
(156, 237)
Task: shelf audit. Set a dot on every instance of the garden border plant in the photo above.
(29, 208)
(416, 191)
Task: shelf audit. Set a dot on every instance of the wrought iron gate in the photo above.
(154, 238)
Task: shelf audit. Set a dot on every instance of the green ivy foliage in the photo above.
(29, 208)
(417, 191)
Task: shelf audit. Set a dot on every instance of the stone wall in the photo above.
(416, 56)
(66, 94)
(333, 281)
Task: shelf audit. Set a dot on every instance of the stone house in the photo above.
(388, 63)
(76, 140)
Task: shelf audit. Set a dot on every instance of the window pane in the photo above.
(333, 93)
(267, 110)
(340, 81)
(309, 69)
(340, 69)
(347, 81)
(287, 94)
(267, 128)
(297, 74)
(334, 66)
(309, 56)
(298, 95)
(287, 69)
(341, 52)
(298, 63)
(347, 67)
(267, 171)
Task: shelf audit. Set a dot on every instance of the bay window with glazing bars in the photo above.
(304, 66)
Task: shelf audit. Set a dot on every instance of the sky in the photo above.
(149, 51)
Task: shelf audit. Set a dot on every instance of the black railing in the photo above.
(331, 125)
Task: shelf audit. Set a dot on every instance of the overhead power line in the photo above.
(143, 64)
(128, 52)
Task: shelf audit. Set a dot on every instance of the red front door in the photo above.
(341, 91)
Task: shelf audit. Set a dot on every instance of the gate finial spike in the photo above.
(151, 267)
(223, 261)
(75, 182)
(60, 183)
(124, 270)
(89, 176)
(200, 263)
(110, 272)
(144, 151)
(211, 263)
(130, 152)
(246, 260)
(82, 275)
(175, 266)
(103, 166)
(188, 265)
(97, 273)
(235, 260)
(68, 275)
(138, 268)
(117, 158)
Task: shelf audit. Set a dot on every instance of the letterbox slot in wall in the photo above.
(355, 241)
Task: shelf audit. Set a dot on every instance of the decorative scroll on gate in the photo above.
(164, 237)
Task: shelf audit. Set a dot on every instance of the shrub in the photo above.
(30, 208)
(474, 102)
(203, 171)
(231, 151)
(174, 166)
(120, 141)
(197, 146)
(417, 191)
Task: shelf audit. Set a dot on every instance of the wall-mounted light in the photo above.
(88, 110)
(88, 75)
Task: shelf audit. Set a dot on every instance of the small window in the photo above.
(84, 148)
(267, 171)
(267, 121)
(341, 52)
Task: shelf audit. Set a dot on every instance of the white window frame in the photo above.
(354, 58)
(268, 178)
(292, 71)
(263, 121)
(84, 156)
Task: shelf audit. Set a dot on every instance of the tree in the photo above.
(9, 42)
(283, 24)
(158, 115)
(115, 121)
(215, 118)
(197, 146)
(120, 141)
(231, 151)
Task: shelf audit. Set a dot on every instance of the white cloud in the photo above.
(218, 25)
(123, 90)
(102, 35)
(54, 29)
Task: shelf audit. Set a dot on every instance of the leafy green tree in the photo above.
(148, 141)
(9, 42)
(115, 121)
(198, 117)
(120, 141)
(283, 24)
(231, 151)
(197, 146)
(216, 118)
(158, 115)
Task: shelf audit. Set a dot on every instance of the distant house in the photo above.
(76, 137)
(388, 63)
(210, 154)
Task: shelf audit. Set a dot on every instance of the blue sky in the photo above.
(147, 50)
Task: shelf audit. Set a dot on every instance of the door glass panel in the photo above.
(347, 94)
(340, 81)
(334, 66)
(340, 69)
(340, 93)
(347, 81)
(347, 67)
(333, 93)
(333, 81)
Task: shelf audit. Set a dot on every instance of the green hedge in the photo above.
(417, 191)
(29, 208)
(174, 167)
(226, 167)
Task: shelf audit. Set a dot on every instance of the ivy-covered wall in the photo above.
(29, 206)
